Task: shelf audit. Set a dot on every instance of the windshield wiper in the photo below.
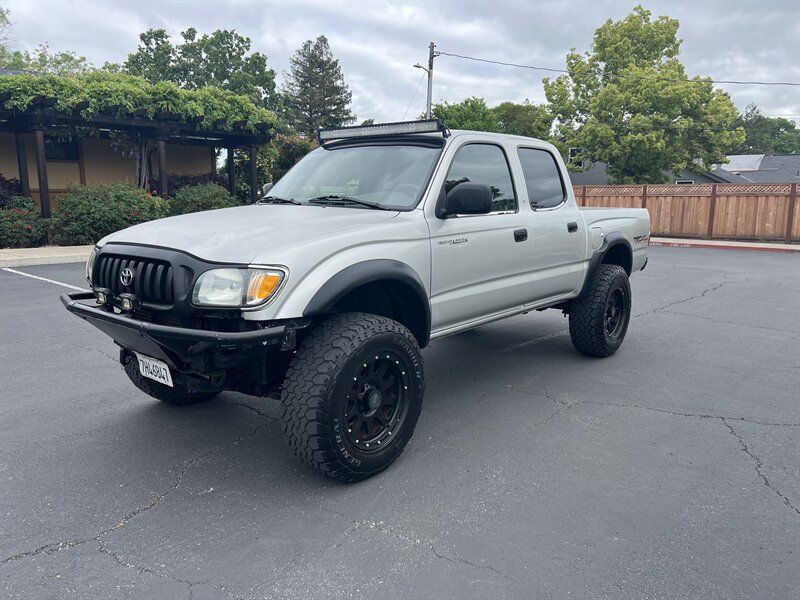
(338, 200)
(277, 200)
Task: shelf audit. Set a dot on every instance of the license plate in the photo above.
(154, 369)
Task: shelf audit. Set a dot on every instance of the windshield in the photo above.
(389, 176)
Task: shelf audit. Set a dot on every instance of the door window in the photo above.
(542, 178)
(486, 164)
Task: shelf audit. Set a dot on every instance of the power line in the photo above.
(551, 70)
(413, 97)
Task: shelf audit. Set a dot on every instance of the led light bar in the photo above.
(383, 130)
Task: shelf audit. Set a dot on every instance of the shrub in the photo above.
(87, 214)
(8, 189)
(21, 224)
(178, 182)
(201, 197)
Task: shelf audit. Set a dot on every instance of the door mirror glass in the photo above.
(468, 199)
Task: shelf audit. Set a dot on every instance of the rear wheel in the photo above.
(179, 395)
(352, 395)
(599, 319)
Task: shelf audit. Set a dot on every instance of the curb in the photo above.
(47, 255)
(779, 248)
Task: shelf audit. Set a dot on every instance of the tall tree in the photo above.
(629, 103)
(222, 59)
(767, 135)
(316, 93)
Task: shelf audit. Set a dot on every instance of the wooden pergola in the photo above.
(163, 128)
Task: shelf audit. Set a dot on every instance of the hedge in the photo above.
(21, 224)
(196, 198)
(86, 214)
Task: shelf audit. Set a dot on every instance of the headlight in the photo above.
(90, 264)
(244, 288)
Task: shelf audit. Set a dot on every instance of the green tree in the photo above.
(471, 113)
(525, 119)
(629, 103)
(767, 135)
(316, 93)
(44, 62)
(41, 60)
(220, 59)
(530, 120)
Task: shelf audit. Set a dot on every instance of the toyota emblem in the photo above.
(126, 277)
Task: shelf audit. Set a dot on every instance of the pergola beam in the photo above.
(163, 178)
(253, 174)
(231, 171)
(22, 162)
(41, 169)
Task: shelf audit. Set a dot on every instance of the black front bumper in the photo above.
(177, 346)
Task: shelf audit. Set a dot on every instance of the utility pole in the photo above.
(431, 55)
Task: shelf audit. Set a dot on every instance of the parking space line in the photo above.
(45, 279)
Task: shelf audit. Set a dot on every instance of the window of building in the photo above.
(486, 164)
(684, 181)
(542, 178)
(55, 149)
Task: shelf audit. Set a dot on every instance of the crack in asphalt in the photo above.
(723, 322)
(724, 419)
(758, 465)
(153, 503)
(254, 409)
(425, 543)
(690, 298)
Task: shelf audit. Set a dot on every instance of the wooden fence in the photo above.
(721, 211)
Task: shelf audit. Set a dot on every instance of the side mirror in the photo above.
(266, 188)
(466, 199)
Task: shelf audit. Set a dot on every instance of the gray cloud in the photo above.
(377, 42)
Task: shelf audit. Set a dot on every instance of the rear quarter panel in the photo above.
(633, 223)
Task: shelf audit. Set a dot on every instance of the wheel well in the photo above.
(392, 299)
(620, 255)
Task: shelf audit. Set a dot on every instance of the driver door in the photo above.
(480, 264)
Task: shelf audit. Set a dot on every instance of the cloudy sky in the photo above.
(377, 42)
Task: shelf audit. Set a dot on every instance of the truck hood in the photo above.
(240, 234)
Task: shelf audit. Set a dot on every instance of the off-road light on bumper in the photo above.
(127, 302)
(237, 288)
(102, 295)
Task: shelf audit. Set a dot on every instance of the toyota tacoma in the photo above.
(384, 238)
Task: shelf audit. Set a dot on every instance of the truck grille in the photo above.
(151, 282)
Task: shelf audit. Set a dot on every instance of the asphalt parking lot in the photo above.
(670, 470)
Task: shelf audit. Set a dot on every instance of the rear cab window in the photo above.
(542, 178)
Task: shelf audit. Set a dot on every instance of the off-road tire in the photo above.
(317, 388)
(179, 395)
(587, 314)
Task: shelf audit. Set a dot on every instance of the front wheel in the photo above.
(599, 319)
(352, 395)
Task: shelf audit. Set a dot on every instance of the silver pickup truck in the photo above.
(384, 238)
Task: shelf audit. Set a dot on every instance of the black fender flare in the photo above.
(369, 271)
(615, 238)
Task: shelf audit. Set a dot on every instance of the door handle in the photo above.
(572, 227)
(520, 235)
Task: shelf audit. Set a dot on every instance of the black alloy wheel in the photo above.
(378, 401)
